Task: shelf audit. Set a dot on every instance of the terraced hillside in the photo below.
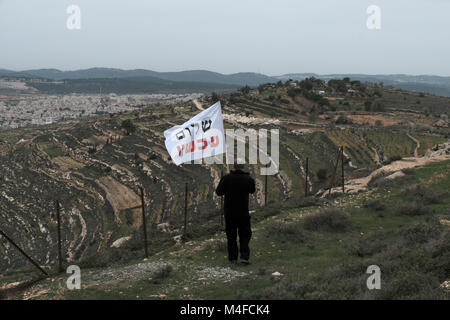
(95, 166)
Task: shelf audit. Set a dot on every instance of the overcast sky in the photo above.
(267, 36)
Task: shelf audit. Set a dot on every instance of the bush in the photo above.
(322, 174)
(415, 208)
(380, 181)
(422, 233)
(329, 220)
(267, 211)
(424, 195)
(107, 258)
(216, 245)
(394, 158)
(162, 273)
(409, 171)
(376, 205)
(286, 232)
(368, 246)
(410, 284)
(343, 120)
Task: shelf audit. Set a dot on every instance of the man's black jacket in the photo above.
(236, 187)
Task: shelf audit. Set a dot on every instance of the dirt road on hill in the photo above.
(360, 184)
(416, 150)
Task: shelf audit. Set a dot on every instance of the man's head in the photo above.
(239, 164)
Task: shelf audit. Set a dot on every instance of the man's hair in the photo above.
(239, 164)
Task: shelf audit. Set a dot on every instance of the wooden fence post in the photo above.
(265, 190)
(222, 213)
(185, 208)
(342, 164)
(58, 219)
(144, 222)
(306, 176)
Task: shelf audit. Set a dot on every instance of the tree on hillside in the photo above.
(129, 126)
(245, 90)
(292, 92)
(214, 97)
(306, 84)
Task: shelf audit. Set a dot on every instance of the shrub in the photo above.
(129, 126)
(426, 196)
(409, 171)
(286, 232)
(268, 211)
(217, 245)
(395, 158)
(371, 245)
(415, 208)
(422, 232)
(322, 174)
(376, 205)
(107, 258)
(378, 123)
(410, 284)
(343, 120)
(162, 273)
(329, 220)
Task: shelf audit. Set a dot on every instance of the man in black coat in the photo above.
(236, 186)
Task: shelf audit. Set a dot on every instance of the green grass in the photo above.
(355, 147)
(53, 151)
(393, 144)
(315, 264)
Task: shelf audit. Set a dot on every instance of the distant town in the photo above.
(37, 109)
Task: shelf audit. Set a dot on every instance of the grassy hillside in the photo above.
(317, 257)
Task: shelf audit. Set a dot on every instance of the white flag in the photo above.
(201, 137)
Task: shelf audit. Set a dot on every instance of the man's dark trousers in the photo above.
(235, 225)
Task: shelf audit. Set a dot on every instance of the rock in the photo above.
(395, 175)
(163, 227)
(441, 124)
(119, 242)
(439, 150)
(178, 239)
(446, 285)
(277, 274)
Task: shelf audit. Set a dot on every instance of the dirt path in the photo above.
(360, 184)
(198, 105)
(416, 151)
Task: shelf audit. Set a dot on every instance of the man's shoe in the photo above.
(245, 261)
(233, 262)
